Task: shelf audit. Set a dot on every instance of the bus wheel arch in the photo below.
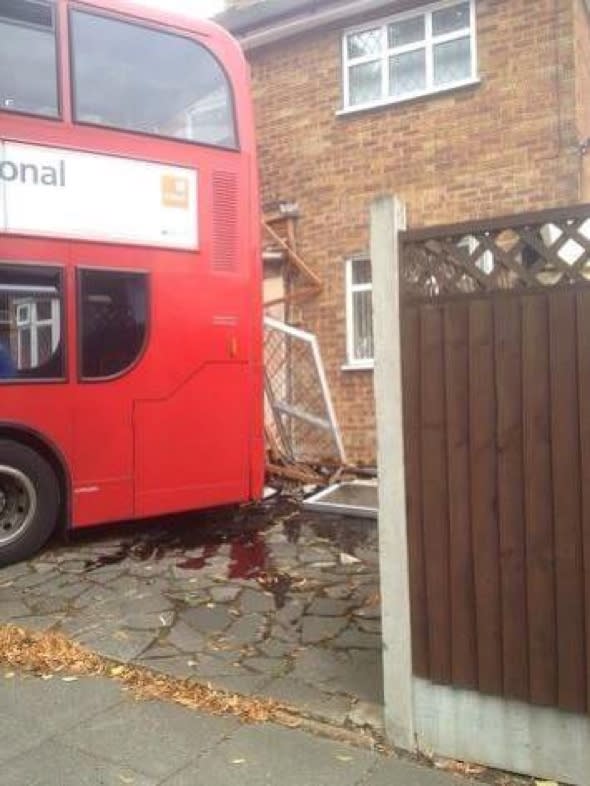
(27, 456)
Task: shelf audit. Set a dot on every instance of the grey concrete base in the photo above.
(508, 735)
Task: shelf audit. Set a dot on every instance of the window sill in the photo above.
(367, 365)
(354, 110)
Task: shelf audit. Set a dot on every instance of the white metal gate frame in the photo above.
(278, 407)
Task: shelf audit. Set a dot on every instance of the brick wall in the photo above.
(582, 39)
(503, 146)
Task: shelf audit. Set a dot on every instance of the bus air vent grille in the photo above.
(225, 222)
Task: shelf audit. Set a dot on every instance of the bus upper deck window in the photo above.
(28, 59)
(136, 78)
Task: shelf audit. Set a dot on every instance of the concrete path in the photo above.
(262, 600)
(87, 732)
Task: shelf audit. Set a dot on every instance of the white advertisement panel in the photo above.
(53, 192)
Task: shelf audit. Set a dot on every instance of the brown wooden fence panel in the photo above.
(496, 369)
(583, 320)
(539, 502)
(434, 492)
(463, 637)
(508, 357)
(413, 436)
(565, 445)
(482, 426)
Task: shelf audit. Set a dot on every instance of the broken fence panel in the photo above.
(299, 412)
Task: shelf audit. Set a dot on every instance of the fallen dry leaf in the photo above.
(459, 767)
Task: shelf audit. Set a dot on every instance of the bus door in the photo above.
(111, 333)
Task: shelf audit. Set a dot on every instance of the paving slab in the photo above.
(152, 738)
(59, 703)
(11, 609)
(268, 755)
(18, 735)
(113, 642)
(243, 683)
(56, 764)
(323, 706)
(205, 619)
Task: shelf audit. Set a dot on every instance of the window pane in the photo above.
(44, 343)
(452, 61)
(407, 73)
(365, 83)
(113, 315)
(30, 349)
(370, 42)
(361, 271)
(137, 79)
(363, 325)
(448, 20)
(43, 310)
(28, 61)
(407, 31)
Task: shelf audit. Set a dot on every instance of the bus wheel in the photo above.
(29, 501)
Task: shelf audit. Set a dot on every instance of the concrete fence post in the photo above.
(387, 220)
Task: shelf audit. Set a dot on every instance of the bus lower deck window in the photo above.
(113, 321)
(31, 340)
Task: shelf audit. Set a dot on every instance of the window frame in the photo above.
(353, 363)
(60, 270)
(79, 270)
(57, 37)
(154, 27)
(428, 44)
(33, 322)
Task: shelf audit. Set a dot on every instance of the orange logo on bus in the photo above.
(175, 191)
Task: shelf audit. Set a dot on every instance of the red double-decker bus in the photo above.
(130, 282)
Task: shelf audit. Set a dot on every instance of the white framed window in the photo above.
(409, 55)
(38, 326)
(359, 314)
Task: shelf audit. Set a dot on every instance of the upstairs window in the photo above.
(28, 58)
(410, 55)
(136, 78)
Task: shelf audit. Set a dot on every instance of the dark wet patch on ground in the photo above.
(262, 599)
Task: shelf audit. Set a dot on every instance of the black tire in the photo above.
(29, 501)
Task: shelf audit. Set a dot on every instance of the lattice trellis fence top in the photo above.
(531, 250)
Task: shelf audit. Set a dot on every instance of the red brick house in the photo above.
(467, 109)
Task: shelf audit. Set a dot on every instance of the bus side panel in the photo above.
(191, 449)
(258, 447)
